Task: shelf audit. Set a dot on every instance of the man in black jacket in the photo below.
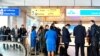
(80, 34)
(66, 37)
(94, 38)
(22, 33)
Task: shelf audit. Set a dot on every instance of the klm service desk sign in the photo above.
(82, 12)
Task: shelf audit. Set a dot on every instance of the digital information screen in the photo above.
(82, 12)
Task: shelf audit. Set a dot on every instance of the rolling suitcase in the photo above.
(63, 51)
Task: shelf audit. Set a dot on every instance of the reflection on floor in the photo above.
(18, 52)
(11, 50)
(71, 52)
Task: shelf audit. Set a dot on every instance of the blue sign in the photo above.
(90, 12)
(9, 11)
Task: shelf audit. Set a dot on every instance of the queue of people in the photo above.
(49, 39)
(15, 34)
(5, 33)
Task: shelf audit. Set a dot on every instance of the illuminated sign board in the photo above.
(9, 11)
(45, 12)
(82, 12)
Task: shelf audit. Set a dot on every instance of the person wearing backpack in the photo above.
(94, 32)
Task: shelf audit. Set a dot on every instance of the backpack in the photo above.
(97, 33)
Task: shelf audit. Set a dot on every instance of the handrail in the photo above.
(73, 44)
(3, 35)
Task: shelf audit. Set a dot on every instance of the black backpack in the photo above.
(97, 33)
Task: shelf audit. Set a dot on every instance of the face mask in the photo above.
(66, 27)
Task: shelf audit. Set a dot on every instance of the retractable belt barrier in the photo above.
(4, 36)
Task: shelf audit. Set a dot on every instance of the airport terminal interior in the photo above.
(29, 16)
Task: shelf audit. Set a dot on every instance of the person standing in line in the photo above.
(51, 37)
(33, 38)
(46, 29)
(58, 35)
(1, 33)
(15, 33)
(23, 33)
(94, 38)
(66, 37)
(8, 32)
(4, 32)
(44, 49)
(80, 34)
(89, 35)
(40, 43)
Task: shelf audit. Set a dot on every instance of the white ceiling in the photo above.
(49, 2)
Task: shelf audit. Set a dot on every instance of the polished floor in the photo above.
(18, 52)
(71, 52)
(21, 52)
(11, 49)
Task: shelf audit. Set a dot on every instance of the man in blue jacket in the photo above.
(66, 37)
(80, 34)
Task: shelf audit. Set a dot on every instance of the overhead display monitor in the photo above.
(82, 12)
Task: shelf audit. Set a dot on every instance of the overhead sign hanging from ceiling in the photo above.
(9, 11)
(82, 12)
(45, 12)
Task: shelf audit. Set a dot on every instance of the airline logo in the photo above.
(72, 12)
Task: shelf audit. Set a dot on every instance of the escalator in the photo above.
(8, 48)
